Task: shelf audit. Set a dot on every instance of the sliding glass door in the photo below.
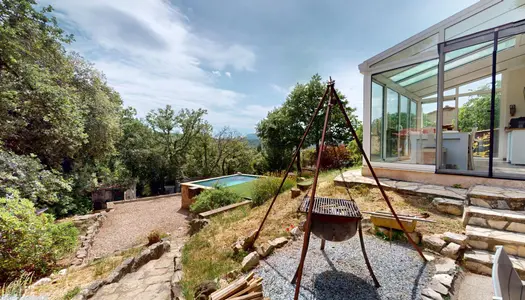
(485, 71)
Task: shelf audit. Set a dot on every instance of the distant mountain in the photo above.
(253, 139)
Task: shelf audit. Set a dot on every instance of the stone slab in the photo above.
(497, 197)
(350, 178)
(494, 218)
(487, 239)
(480, 262)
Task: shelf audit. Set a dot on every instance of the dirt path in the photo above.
(129, 224)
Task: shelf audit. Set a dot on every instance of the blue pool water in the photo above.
(227, 181)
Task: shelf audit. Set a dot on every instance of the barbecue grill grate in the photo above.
(332, 207)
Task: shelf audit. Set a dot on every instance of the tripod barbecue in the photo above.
(331, 219)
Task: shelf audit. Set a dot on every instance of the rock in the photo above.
(296, 233)
(429, 257)
(438, 287)
(176, 287)
(123, 269)
(416, 236)
(238, 246)
(446, 266)
(250, 261)
(279, 242)
(62, 272)
(295, 192)
(82, 253)
(196, 225)
(249, 240)
(141, 259)
(451, 250)
(448, 206)
(444, 279)
(93, 288)
(264, 249)
(433, 243)
(430, 293)
(204, 290)
(158, 249)
(42, 281)
(457, 238)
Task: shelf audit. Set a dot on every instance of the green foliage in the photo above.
(30, 242)
(475, 113)
(27, 175)
(265, 188)
(281, 131)
(356, 158)
(214, 198)
(72, 293)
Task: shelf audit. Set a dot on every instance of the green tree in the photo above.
(283, 128)
(476, 113)
(174, 133)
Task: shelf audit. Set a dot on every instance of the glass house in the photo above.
(449, 102)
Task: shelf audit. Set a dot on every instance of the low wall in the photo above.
(442, 179)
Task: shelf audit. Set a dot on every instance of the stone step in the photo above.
(487, 239)
(449, 206)
(496, 197)
(480, 262)
(507, 220)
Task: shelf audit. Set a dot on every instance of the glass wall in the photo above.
(479, 120)
(397, 134)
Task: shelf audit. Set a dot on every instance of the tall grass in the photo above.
(265, 188)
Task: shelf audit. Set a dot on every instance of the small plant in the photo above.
(289, 229)
(71, 293)
(457, 186)
(265, 188)
(17, 287)
(154, 237)
(214, 198)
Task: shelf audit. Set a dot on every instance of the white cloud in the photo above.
(228, 74)
(350, 83)
(153, 57)
(282, 90)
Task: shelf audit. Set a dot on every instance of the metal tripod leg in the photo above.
(376, 283)
(323, 241)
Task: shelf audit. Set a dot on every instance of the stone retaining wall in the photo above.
(88, 226)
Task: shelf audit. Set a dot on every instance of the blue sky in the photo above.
(237, 59)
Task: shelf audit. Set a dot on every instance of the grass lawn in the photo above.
(208, 254)
(243, 189)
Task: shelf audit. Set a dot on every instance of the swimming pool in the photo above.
(226, 181)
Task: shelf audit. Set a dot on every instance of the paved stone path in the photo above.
(355, 177)
(474, 286)
(151, 281)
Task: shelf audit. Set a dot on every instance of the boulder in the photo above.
(279, 242)
(264, 249)
(250, 261)
(196, 225)
(249, 240)
(451, 250)
(123, 269)
(42, 281)
(141, 259)
(448, 206)
(457, 238)
(445, 266)
(204, 290)
(295, 192)
(434, 243)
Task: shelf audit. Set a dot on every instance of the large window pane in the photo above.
(392, 124)
(376, 122)
(401, 138)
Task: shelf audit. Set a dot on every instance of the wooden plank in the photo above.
(401, 217)
(223, 209)
(248, 297)
(229, 290)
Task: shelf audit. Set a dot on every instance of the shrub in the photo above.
(153, 237)
(28, 242)
(265, 188)
(214, 198)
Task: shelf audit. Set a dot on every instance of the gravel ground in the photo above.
(341, 272)
(130, 223)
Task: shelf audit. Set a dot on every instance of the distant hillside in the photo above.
(253, 140)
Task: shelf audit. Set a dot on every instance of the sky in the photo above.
(238, 59)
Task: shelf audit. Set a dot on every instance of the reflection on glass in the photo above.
(392, 123)
(376, 123)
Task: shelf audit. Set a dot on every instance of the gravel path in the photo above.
(130, 223)
(341, 273)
